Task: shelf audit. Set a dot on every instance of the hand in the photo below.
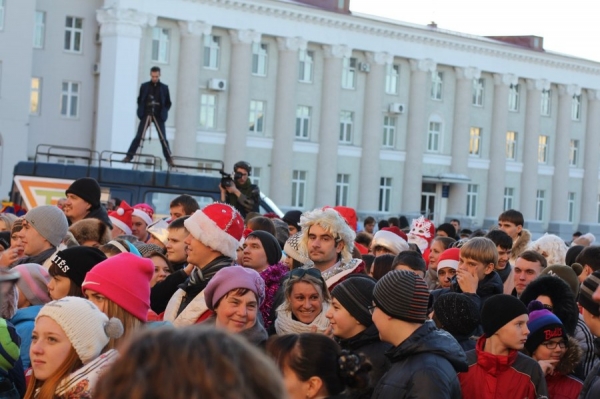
(233, 190)
(223, 191)
(467, 281)
(547, 366)
(9, 256)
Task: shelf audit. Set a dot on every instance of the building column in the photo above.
(457, 199)
(238, 99)
(589, 193)
(121, 33)
(368, 194)
(497, 170)
(188, 81)
(416, 135)
(529, 174)
(560, 180)
(285, 121)
(329, 126)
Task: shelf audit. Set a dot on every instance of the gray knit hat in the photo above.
(402, 295)
(355, 294)
(50, 222)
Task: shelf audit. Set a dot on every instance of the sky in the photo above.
(572, 30)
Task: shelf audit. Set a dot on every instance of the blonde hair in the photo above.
(130, 323)
(48, 387)
(333, 223)
(480, 249)
(319, 285)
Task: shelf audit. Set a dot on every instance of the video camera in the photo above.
(227, 180)
(151, 103)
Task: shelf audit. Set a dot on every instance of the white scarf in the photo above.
(285, 324)
(82, 382)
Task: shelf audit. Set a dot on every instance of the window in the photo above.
(73, 32)
(472, 190)
(509, 196)
(513, 98)
(475, 142)
(478, 92)
(385, 194)
(34, 98)
(433, 136)
(437, 80)
(348, 73)
(571, 207)
(160, 45)
(511, 146)
(302, 122)
(539, 205)
(346, 118)
(208, 111)
(543, 149)
(39, 29)
(259, 59)
(391, 78)
(255, 178)
(546, 102)
(342, 189)
(212, 49)
(69, 105)
(389, 131)
(2, 2)
(257, 116)
(305, 70)
(298, 188)
(573, 152)
(576, 108)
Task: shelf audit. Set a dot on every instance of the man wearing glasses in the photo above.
(242, 195)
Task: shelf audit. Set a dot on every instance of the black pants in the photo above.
(140, 132)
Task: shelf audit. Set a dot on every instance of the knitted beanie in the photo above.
(566, 273)
(125, 280)
(457, 313)
(9, 345)
(403, 295)
(270, 245)
(499, 310)
(50, 222)
(33, 283)
(87, 189)
(293, 218)
(449, 258)
(543, 325)
(75, 262)
(17, 226)
(86, 327)
(389, 240)
(121, 217)
(589, 286)
(147, 248)
(355, 294)
(218, 226)
(291, 248)
(144, 212)
(5, 239)
(159, 230)
(231, 278)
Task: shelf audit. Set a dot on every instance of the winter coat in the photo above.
(24, 321)
(520, 245)
(589, 360)
(162, 291)
(489, 286)
(500, 377)
(562, 384)
(591, 386)
(100, 214)
(423, 366)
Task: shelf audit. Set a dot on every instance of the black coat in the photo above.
(424, 366)
(164, 98)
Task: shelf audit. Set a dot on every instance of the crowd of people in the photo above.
(207, 303)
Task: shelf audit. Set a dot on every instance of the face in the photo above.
(381, 321)
(456, 225)
(292, 229)
(510, 228)
(514, 333)
(435, 251)
(525, 273)
(198, 254)
(545, 300)
(49, 349)
(369, 227)
(306, 302)
(543, 353)
(445, 275)
(244, 175)
(97, 299)
(61, 203)
(475, 268)
(176, 212)
(379, 250)
(322, 248)
(176, 248)
(154, 76)
(116, 232)
(343, 324)
(75, 208)
(59, 287)
(16, 241)
(503, 257)
(138, 228)
(33, 242)
(254, 254)
(296, 388)
(237, 313)
(161, 270)
(3, 226)
(289, 262)
(592, 322)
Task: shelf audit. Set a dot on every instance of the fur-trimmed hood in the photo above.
(520, 245)
(571, 358)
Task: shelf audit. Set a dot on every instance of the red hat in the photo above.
(145, 212)
(218, 226)
(125, 280)
(121, 218)
(449, 258)
(349, 215)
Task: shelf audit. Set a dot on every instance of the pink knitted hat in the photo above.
(125, 280)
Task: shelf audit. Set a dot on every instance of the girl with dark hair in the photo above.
(68, 269)
(162, 267)
(382, 265)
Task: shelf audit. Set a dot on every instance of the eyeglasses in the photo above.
(553, 344)
(371, 308)
(301, 272)
(548, 307)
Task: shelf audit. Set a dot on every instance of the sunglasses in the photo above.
(302, 272)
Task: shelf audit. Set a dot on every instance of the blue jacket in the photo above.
(24, 321)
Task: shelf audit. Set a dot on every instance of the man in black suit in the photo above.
(154, 100)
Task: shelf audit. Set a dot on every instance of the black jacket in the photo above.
(591, 386)
(162, 292)
(424, 366)
(100, 214)
(164, 100)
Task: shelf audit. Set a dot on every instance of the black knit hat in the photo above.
(402, 295)
(292, 218)
(5, 239)
(589, 286)
(457, 313)
(355, 294)
(87, 189)
(75, 262)
(499, 310)
(270, 245)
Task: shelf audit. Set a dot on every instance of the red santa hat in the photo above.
(449, 258)
(121, 218)
(144, 212)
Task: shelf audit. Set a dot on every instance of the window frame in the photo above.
(543, 149)
(349, 65)
(212, 52)
(435, 135)
(385, 194)
(389, 131)
(299, 180)
(69, 99)
(306, 62)
(37, 92)
(546, 102)
(302, 122)
(576, 108)
(511, 145)
(472, 194)
(73, 32)
(162, 37)
(478, 92)
(475, 142)
(260, 59)
(209, 111)
(256, 118)
(346, 127)
(39, 30)
(514, 98)
(342, 189)
(437, 85)
(509, 198)
(392, 78)
(540, 197)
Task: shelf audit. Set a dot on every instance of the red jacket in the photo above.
(501, 377)
(562, 386)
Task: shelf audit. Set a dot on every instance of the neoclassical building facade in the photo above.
(329, 107)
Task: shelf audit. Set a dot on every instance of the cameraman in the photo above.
(154, 100)
(239, 192)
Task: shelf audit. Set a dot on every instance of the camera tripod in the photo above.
(149, 119)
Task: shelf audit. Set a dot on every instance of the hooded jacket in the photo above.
(423, 366)
(562, 384)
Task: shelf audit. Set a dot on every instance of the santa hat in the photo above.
(421, 233)
(218, 226)
(449, 258)
(389, 240)
(144, 212)
(121, 218)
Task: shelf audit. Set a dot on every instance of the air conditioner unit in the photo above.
(397, 108)
(217, 84)
(364, 67)
(96, 68)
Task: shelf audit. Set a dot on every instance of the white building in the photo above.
(329, 107)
